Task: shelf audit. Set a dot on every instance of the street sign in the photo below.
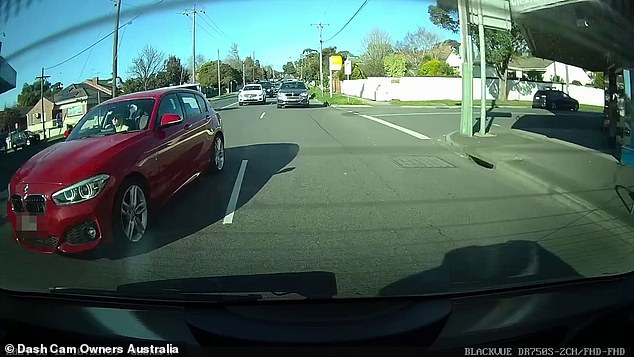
(496, 14)
(348, 67)
(335, 63)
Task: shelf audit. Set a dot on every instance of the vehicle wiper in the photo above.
(163, 294)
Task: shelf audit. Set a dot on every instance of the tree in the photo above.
(249, 67)
(9, 117)
(132, 85)
(395, 65)
(147, 65)
(445, 15)
(501, 46)
(289, 68)
(417, 44)
(377, 45)
(435, 68)
(30, 94)
(535, 76)
(556, 79)
(233, 59)
(173, 73)
(200, 59)
(598, 80)
(208, 74)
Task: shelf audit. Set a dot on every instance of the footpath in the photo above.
(582, 178)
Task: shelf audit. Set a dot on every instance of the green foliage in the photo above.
(535, 76)
(357, 72)
(172, 74)
(501, 45)
(598, 80)
(9, 117)
(435, 68)
(132, 85)
(556, 79)
(395, 65)
(289, 68)
(30, 94)
(445, 17)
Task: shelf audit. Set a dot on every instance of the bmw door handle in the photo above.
(188, 126)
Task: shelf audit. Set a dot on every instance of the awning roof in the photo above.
(591, 34)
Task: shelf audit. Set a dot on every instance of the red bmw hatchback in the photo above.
(124, 157)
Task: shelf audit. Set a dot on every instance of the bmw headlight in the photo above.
(81, 191)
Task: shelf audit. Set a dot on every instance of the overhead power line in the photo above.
(93, 45)
(353, 16)
(215, 25)
(212, 29)
(206, 31)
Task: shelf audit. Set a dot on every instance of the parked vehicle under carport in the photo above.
(554, 100)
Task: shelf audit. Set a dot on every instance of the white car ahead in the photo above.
(252, 93)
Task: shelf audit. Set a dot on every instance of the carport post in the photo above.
(466, 116)
(483, 71)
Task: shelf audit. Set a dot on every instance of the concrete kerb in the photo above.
(470, 153)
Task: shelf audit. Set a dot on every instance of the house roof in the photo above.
(78, 90)
(529, 63)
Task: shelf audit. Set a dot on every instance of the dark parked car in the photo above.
(268, 88)
(555, 100)
(31, 138)
(18, 139)
(3, 143)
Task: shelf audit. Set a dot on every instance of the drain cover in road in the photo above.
(421, 162)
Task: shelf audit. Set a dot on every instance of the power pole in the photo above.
(253, 66)
(42, 78)
(218, 72)
(115, 48)
(244, 76)
(193, 12)
(321, 54)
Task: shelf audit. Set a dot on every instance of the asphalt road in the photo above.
(374, 197)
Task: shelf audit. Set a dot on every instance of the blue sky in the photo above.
(274, 29)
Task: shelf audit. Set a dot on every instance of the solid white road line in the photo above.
(262, 116)
(406, 114)
(227, 106)
(399, 128)
(233, 201)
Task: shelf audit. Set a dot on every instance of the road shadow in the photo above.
(224, 109)
(310, 105)
(11, 161)
(484, 267)
(626, 194)
(313, 284)
(204, 201)
(491, 114)
(581, 128)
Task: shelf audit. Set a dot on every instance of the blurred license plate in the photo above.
(28, 223)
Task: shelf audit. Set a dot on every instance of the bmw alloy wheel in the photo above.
(134, 213)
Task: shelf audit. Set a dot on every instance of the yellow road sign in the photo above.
(336, 63)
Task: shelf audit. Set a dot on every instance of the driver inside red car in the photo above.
(118, 116)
